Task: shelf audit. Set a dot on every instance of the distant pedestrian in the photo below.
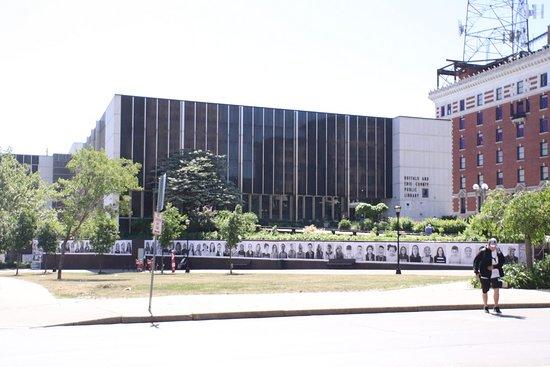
(488, 268)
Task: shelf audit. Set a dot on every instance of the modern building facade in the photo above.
(290, 165)
(499, 128)
(49, 167)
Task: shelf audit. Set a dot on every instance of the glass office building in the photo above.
(290, 165)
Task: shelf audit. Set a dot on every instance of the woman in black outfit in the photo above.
(439, 257)
(415, 255)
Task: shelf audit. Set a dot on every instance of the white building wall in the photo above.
(422, 151)
(45, 168)
(112, 128)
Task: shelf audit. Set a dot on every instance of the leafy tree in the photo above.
(489, 221)
(526, 216)
(22, 235)
(82, 197)
(233, 227)
(372, 212)
(22, 198)
(173, 226)
(48, 234)
(196, 180)
(104, 233)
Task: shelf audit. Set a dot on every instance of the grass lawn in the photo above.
(120, 285)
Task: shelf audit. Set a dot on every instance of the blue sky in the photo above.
(61, 61)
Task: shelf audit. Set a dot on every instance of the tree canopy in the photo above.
(173, 225)
(103, 234)
(196, 182)
(96, 176)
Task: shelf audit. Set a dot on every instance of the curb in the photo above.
(288, 313)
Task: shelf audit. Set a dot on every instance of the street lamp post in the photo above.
(397, 213)
(481, 192)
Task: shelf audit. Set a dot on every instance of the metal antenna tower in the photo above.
(495, 29)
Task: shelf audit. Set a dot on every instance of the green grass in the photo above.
(122, 285)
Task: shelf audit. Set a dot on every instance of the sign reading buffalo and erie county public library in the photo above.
(416, 186)
(444, 253)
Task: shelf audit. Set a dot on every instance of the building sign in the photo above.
(416, 187)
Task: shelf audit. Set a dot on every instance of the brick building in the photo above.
(499, 128)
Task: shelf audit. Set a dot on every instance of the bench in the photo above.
(341, 263)
(241, 264)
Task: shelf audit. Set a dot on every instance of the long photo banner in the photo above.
(84, 247)
(450, 253)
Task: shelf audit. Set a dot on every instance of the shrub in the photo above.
(405, 223)
(518, 276)
(344, 224)
(365, 225)
(451, 226)
(382, 225)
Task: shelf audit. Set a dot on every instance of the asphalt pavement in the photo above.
(519, 337)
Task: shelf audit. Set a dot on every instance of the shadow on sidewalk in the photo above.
(510, 316)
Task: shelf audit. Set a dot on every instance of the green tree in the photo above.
(174, 225)
(197, 182)
(103, 234)
(372, 212)
(489, 221)
(233, 227)
(526, 216)
(96, 176)
(48, 234)
(22, 235)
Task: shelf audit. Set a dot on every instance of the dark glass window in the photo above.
(276, 208)
(189, 125)
(352, 157)
(500, 178)
(543, 80)
(162, 131)
(175, 128)
(480, 99)
(150, 146)
(480, 159)
(126, 127)
(139, 135)
(461, 143)
(520, 107)
(212, 127)
(462, 162)
(521, 175)
(321, 154)
(543, 125)
(543, 101)
(256, 205)
(289, 152)
(362, 158)
(500, 156)
(499, 94)
(498, 112)
(479, 117)
(479, 139)
(331, 155)
(258, 149)
(200, 125)
(341, 155)
(462, 182)
(309, 208)
(520, 130)
(268, 152)
(311, 153)
(233, 148)
(461, 123)
(462, 105)
(223, 118)
(449, 109)
(498, 135)
(265, 207)
(543, 148)
(480, 178)
(462, 205)
(247, 148)
(543, 173)
(302, 153)
(519, 87)
(442, 111)
(381, 158)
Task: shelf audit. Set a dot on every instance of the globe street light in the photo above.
(397, 213)
(481, 192)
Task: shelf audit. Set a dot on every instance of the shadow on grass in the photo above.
(86, 280)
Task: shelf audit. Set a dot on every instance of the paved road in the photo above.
(456, 338)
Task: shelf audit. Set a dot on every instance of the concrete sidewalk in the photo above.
(25, 304)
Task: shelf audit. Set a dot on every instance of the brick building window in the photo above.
(543, 80)
(461, 143)
(543, 173)
(498, 112)
(520, 153)
(479, 139)
(462, 105)
(449, 109)
(500, 155)
(500, 178)
(498, 135)
(519, 87)
(479, 117)
(461, 123)
(480, 99)
(462, 162)
(479, 159)
(543, 125)
(543, 101)
(520, 130)
(543, 148)
(499, 93)
(442, 111)
(462, 205)
(521, 175)
(462, 182)
(480, 178)
(520, 107)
